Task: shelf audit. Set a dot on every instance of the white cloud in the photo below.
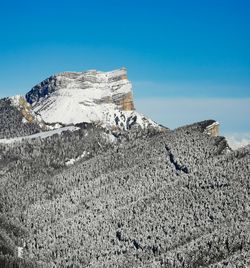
(238, 140)
(233, 114)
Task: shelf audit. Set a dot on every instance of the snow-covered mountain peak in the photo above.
(91, 96)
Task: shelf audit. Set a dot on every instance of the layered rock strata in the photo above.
(75, 97)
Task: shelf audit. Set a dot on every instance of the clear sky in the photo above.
(176, 52)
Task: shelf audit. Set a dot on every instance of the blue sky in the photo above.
(173, 50)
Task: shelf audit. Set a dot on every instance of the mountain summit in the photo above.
(91, 96)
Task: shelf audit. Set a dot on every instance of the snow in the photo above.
(210, 127)
(15, 100)
(41, 135)
(109, 138)
(72, 160)
(74, 108)
(20, 252)
(76, 101)
(54, 126)
(87, 97)
(24, 120)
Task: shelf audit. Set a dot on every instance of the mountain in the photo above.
(71, 98)
(92, 97)
(81, 190)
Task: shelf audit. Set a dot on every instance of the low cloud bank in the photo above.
(238, 140)
(232, 114)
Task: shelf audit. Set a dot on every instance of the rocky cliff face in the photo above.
(113, 86)
(213, 129)
(91, 96)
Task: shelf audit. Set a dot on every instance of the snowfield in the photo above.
(41, 135)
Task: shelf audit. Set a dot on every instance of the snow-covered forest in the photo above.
(143, 198)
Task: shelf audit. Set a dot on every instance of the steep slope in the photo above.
(91, 96)
(16, 119)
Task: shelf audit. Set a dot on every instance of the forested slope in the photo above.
(144, 198)
(12, 122)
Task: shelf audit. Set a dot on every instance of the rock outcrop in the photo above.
(213, 129)
(26, 110)
(17, 118)
(210, 127)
